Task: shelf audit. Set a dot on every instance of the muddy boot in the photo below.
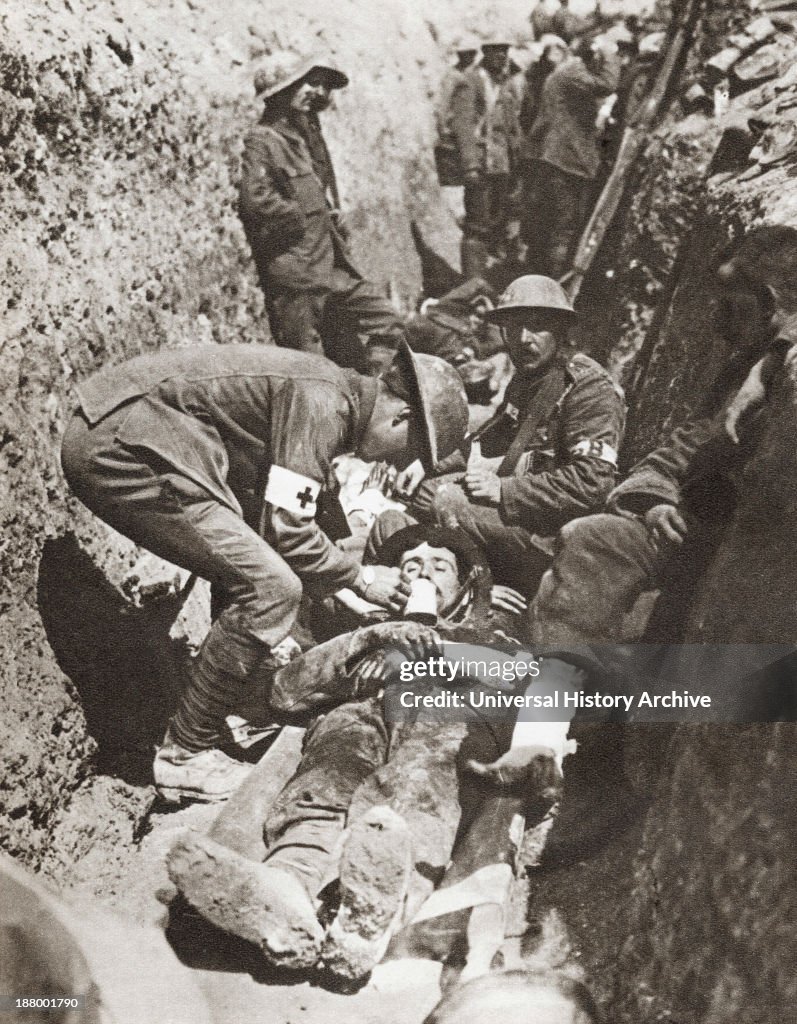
(374, 876)
(207, 775)
(263, 905)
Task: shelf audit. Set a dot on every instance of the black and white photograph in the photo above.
(398, 485)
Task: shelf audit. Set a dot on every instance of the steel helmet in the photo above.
(466, 44)
(435, 386)
(283, 69)
(533, 291)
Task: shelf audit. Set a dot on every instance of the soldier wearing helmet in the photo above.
(316, 298)
(552, 444)
(215, 458)
(484, 122)
(466, 49)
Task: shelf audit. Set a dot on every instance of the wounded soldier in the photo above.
(378, 805)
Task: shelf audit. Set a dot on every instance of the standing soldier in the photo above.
(558, 431)
(566, 140)
(214, 458)
(317, 300)
(466, 50)
(484, 120)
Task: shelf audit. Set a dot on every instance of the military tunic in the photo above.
(564, 468)
(316, 298)
(213, 458)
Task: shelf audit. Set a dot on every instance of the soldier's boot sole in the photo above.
(263, 905)
(375, 871)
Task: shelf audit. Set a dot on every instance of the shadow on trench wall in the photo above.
(125, 667)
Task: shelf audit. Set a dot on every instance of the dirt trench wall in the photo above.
(709, 920)
(120, 128)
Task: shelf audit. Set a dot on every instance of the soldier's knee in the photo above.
(447, 498)
(585, 532)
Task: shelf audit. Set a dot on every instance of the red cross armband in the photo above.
(292, 492)
(587, 449)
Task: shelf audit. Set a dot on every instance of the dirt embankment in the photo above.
(705, 935)
(120, 128)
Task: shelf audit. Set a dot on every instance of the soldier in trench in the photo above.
(663, 524)
(555, 439)
(214, 458)
(316, 298)
(408, 790)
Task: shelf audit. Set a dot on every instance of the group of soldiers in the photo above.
(222, 460)
(530, 130)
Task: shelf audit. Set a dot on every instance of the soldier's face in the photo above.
(531, 344)
(555, 54)
(312, 94)
(439, 566)
(391, 434)
(494, 59)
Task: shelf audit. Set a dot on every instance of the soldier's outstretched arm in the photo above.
(327, 674)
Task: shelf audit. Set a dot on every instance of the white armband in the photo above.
(586, 449)
(292, 492)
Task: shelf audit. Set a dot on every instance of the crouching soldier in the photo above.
(556, 434)
(317, 300)
(403, 788)
(214, 458)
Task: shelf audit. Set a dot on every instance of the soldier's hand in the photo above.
(339, 220)
(531, 770)
(750, 396)
(666, 525)
(419, 642)
(369, 674)
(382, 477)
(508, 600)
(483, 486)
(388, 588)
(423, 496)
(472, 177)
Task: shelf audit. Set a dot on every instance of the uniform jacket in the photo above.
(443, 109)
(486, 133)
(570, 461)
(223, 415)
(699, 466)
(564, 133)
(286, 196)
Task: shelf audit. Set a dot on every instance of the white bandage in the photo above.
(586, 449)
(292, 492)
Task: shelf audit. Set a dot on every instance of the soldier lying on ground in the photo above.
(405, 789)
(317, 300)
(558, 430)
(453, 327)
(214, 458)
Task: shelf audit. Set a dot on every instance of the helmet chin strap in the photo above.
(463, 600)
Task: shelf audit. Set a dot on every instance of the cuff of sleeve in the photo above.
(509, 504)
(330, 584)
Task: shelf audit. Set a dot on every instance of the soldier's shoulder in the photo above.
(583, 369)
(261, 134)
